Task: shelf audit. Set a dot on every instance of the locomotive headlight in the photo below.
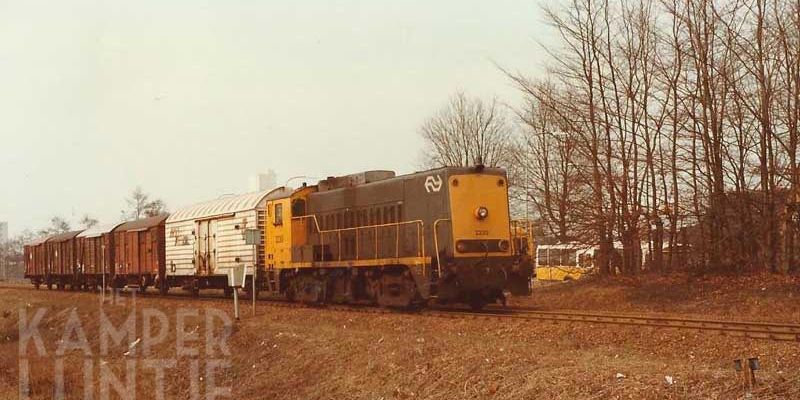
(482, 212)
(461, 247)
(503, 245)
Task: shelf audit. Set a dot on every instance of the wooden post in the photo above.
(236, 302)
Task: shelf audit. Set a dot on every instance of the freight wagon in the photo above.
(204, 241)
(96, 255)
(35, 255)
(139, 254)
(62, 260)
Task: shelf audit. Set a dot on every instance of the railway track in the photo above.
(747, 329)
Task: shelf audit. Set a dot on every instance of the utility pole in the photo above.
(3, 263)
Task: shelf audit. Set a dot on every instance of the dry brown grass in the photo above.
(316, 354)
(754, 297)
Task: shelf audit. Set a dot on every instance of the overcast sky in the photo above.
(190, 98)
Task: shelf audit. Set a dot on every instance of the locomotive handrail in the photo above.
(436, 244)
(420, 237)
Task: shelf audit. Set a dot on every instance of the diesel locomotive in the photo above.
(442, 235)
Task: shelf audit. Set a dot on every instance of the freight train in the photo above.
(442, 235)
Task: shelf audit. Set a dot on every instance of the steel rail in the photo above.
(772, 331)
(789, 327)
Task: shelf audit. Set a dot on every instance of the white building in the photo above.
(263, 181)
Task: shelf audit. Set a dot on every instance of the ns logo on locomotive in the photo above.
(440, 236)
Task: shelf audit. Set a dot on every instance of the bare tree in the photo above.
(87, 221)
(154, 208)
(57, 225)
(11, 255)
(549, 165)
(670, 124)
(140, 205)
(467, 131)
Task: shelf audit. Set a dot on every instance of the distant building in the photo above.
(263, 181)
(3, 231)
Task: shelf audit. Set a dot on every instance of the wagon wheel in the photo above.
(163, 288)
(143, 285)
(248, 290)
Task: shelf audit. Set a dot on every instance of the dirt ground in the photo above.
(302, 353)
(762, 297)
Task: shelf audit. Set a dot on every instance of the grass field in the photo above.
(303, 353)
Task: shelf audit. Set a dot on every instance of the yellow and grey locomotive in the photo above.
(442, 235)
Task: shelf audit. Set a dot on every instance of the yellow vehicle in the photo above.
(563, 262)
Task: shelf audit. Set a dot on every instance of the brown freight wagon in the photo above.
(62, 260)
(96, 255)
(36, 262)
(139, 253)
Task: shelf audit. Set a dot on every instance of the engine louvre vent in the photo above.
(338, 182)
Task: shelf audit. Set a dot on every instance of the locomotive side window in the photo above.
(278, 214)
(298, 208)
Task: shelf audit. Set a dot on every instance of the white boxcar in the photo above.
(205, 240)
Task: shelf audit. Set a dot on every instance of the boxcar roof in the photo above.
(142, 224)
(227, 205)
(61, 237)
(99, 230)
(38, 241)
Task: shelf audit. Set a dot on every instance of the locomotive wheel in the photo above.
(308, 288)
(477, 302)
(397, 289)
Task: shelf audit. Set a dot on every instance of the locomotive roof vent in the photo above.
(338, 182)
